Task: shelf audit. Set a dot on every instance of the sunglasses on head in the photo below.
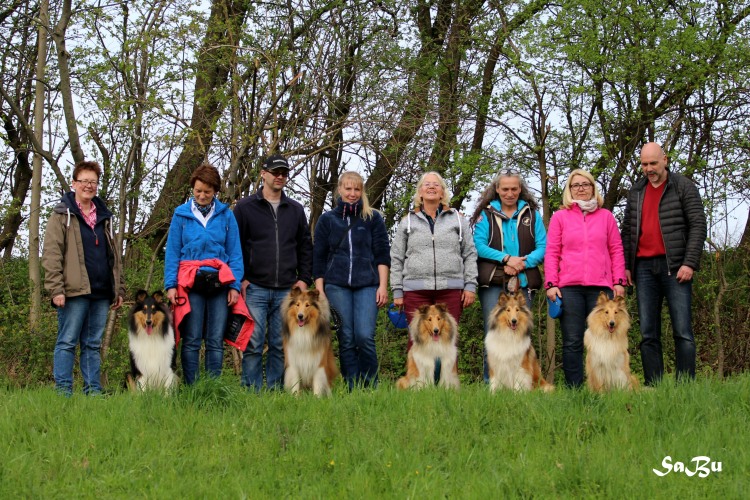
(509, 172)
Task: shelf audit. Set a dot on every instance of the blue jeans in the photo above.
(488, 298)
(81, 321)
(578, 302)
(359, 312)
(207, 319)
(654, 282)
(265, 308)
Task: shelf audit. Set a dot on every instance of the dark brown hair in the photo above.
(207, 174)
(87, 165)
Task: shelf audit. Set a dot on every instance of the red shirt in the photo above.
(651, 241)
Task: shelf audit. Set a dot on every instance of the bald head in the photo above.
(654, 163)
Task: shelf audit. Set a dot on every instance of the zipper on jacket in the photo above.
(276, 228)
(661, 231)
(351, 253)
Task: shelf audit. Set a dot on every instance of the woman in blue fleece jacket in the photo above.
(203, 228)
(351, 258)
(509, 235)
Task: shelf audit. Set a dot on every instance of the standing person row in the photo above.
(510, 239)
(202, 271)
(277, 254)
(584, 257)
(351, 257)
(663, 233)
(83, 275)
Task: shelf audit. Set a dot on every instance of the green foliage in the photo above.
(375, 444)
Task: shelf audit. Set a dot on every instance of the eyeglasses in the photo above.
(87, 183)
(431, 184)
(508, 172)
(581, 186)
(279, 173)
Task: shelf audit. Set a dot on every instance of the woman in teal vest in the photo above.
(510, 239)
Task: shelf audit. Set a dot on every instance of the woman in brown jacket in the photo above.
(83, 275)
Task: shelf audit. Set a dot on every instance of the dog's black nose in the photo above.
(435, 331)
(514, 321)
(300, 316)
(611, 323)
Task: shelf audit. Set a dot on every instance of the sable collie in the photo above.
(306, 334)
(434, 335)
(606, 341)
(153, 355)
(511, 358)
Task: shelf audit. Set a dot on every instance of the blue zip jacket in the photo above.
(510, 239)
(350, 260)
(189, 240)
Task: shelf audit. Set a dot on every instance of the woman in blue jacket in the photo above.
(510, 238)
(203, 234)
(351, 258)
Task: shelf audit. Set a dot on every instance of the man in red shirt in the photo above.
(663, 232)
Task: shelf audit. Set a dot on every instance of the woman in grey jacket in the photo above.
(433, 258)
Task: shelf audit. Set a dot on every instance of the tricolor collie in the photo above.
(511, 358)
(434, 335)
(606, 341)
(306, 333)
(152, 349)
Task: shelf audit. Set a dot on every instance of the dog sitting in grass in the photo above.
(510, 356)
(434, 335)
(306, 334)
(153, 356)
(606, 342)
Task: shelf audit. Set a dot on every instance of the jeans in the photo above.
(488, 298)
(211, 312)
(81, 321)
(359, 312)
(265, 308)
(578, 302)
(654, 282)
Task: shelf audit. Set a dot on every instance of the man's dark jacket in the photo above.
(276, 247)
(681, 218)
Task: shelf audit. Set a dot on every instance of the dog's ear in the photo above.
(502, 299)
(141, 295)
(313, 293)
(158, 296)
(602, 299)
(295, 291)
(423, 308)
(441, 307)
(621, 301)
(520, 296)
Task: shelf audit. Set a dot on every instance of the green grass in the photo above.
(215, 440)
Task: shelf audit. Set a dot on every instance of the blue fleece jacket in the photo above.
(189, 240)
(510, 238)
(350, 260)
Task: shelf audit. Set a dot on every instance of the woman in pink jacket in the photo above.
(584, 256)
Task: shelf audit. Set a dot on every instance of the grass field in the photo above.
(214, 440)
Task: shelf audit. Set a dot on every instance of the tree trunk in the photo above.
(35, 273)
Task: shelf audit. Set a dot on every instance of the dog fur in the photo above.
(434, 335)
(606, 341)
(511, 357)
(306, 333)
(153, 356)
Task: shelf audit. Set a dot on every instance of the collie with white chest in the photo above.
(153, 356)
(606, 342)
(511, 358)
(434, 335)
(306, 333)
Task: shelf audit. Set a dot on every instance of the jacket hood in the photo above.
(185, 210)
(68, 203)
(344, 209)
(499, 207)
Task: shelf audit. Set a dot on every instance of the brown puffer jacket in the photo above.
(63, 259)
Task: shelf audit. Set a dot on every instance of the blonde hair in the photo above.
(359, 182)
(417, 200)
(567, 198)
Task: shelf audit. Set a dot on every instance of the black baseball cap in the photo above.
(275, 162)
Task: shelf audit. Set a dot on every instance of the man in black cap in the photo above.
(277, 253)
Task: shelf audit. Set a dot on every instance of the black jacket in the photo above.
(681, 217)
(276, 247)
